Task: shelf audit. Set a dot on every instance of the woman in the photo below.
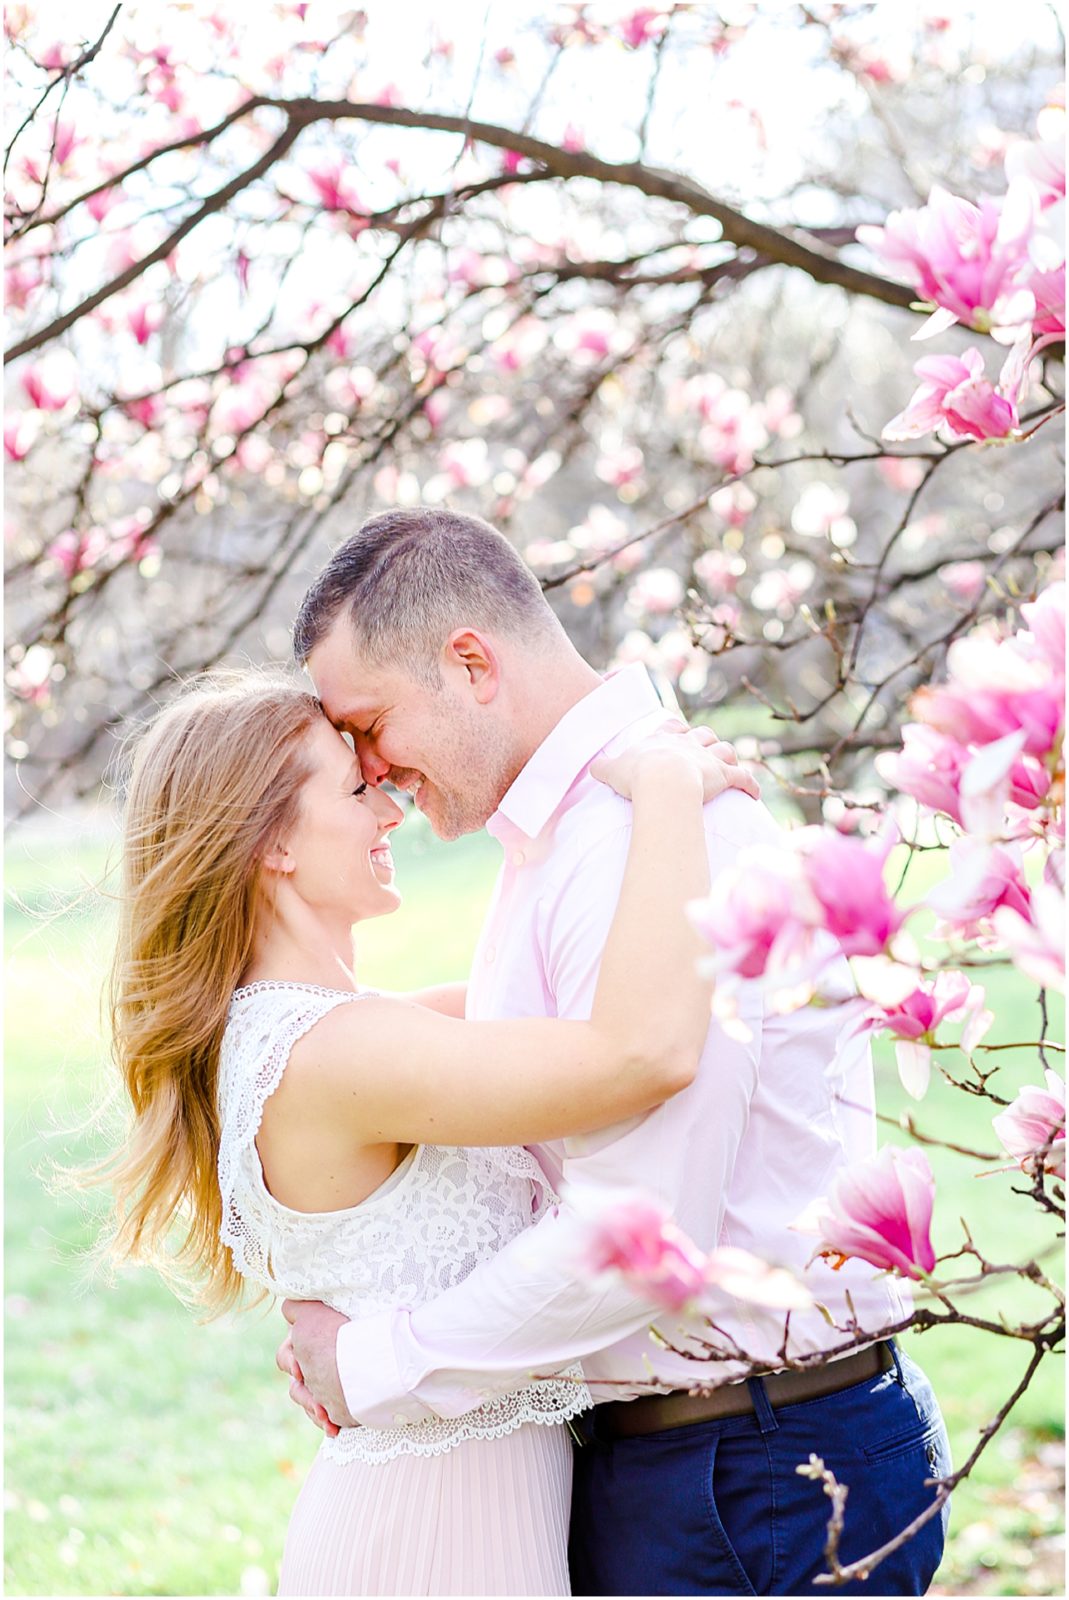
(323, 1141)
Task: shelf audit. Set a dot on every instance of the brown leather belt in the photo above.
(630, 1419)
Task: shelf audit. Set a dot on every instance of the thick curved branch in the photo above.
(794, 249)
(789, 249)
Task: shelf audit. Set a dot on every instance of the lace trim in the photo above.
(548, 1402)
(263, 984)
(251, 1257)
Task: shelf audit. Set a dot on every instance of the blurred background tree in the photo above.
(587, 270)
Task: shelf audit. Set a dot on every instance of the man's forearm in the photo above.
(527, 1313)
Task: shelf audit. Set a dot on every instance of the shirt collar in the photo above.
(618, 701)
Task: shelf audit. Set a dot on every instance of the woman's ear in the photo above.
(279, 859)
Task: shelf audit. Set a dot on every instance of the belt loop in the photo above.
(900, 1376)
(766, 1417)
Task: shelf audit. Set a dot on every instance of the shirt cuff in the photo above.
(369, 1373)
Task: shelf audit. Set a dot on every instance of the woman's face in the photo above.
(338, 857)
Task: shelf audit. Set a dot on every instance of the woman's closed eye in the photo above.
(359, 791)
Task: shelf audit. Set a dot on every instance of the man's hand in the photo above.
(308, 1358)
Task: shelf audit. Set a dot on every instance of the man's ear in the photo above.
(279, 859)
(472, 654)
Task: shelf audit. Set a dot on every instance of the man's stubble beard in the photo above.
(491, 761)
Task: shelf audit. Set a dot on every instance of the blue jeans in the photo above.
(718, 1508)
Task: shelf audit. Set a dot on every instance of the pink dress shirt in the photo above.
(764, 1129)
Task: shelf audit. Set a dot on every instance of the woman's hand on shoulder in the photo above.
(677, 747)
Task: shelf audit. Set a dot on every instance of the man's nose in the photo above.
(372, 766)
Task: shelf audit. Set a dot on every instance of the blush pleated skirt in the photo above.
(489, 1517)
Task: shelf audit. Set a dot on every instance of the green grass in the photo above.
(150, 1454)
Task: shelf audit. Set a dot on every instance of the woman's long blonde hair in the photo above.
(215, 781)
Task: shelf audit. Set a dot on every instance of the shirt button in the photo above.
(518, 858)
(400, 1418)
(489, 956)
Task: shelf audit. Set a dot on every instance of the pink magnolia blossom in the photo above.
(931, 766)
(735, 502)
(994, 690)
(734, 427)
(631, 1233)
(1037, 943)
(621, 467)
(967, 259)
(20, 431)
(982, 877)
(657, 591)
(465, 463)
(720, 628)
(1035, 1119)
(780, 588)
(144, 320)
(759, 919)
(253, 454)
(1045, 627)
(50, 384)
(755, 912)
(923, 1009)
(333, 182)
(1040, 162)
(914, 1018)
(645, 23)
(148, 410)
(20, 281)
(746, 1277)
(820, 512)
(1048, 291)
(54, 57)
(65, 141)
(964, 579)
(341, 343)
(98, 205)
(901, 472)
(780, 414)
(715, 570)
(845, 877)
(77, 550)
(880, 1211)
(957, 397)
(30, 678)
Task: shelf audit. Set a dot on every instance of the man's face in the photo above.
(435, 742)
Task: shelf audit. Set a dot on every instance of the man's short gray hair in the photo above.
(409, 577)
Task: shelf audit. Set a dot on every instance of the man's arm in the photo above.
(530, 1310)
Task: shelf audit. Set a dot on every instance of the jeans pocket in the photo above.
(740, 1503)
(926, 1436)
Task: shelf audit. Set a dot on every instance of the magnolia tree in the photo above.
(638, 285)
(985, 759)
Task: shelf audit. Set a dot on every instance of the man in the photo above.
(430, 642)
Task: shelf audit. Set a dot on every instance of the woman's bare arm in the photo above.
(398, 1071)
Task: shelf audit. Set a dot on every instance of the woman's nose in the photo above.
(387, 810)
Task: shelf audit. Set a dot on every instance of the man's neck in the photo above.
(544, 703)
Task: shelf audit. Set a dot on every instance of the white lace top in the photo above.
(442, 1211)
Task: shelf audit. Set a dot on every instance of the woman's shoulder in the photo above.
(265, 1021)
